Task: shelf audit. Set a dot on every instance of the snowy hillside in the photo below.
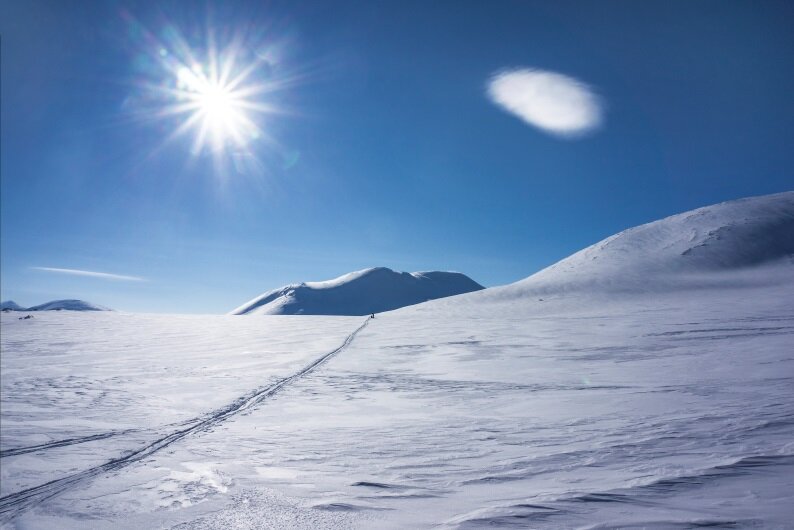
(68, 305)
(691, 249)
(589, 408)
(360, 293)
(10, 305)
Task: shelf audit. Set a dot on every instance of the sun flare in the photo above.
(216, 96)
(217, 108)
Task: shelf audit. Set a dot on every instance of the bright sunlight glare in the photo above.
(217, 96)
(216, 108)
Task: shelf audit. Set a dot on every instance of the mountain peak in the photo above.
(68, 305)
(372, 290)
(10, 305)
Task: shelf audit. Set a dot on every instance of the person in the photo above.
(372, 315)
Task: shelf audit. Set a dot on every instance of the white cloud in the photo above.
(552, 102)
(92, 274)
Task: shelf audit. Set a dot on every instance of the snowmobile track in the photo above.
(14, 504)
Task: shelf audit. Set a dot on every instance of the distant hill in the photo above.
(360, 293)
(68, 305)
(10, 305)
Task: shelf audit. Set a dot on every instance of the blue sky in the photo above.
(380, 145)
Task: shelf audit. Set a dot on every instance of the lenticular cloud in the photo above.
(552, 102)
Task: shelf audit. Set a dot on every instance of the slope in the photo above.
(686, 248)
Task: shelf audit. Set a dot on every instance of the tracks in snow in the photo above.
(16, 503)
(59, 443)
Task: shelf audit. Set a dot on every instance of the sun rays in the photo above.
(219, 109)
(218, 97)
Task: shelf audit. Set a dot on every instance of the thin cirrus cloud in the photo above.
(554, 103)
(91, 274)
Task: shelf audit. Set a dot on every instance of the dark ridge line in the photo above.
(14, 504)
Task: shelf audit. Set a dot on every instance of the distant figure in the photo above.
(26, 317)
(372, 315)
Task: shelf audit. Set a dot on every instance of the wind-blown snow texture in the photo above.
(595, 407)
(360, 293)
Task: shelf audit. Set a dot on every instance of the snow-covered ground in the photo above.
(648, 403)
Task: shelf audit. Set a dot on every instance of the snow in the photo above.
(63, 305)
(687, 250)
(359, 293)
(603, 403)
(68, 305)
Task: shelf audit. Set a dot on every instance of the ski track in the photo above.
(14, 504)
(61, 443)
(85, 439)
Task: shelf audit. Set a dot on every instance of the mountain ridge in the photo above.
(372, 290)
(55, 305)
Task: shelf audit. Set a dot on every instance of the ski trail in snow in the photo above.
(85, 439)
(89, 438)
(14, 504)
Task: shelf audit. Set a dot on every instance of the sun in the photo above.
(220, 114)
(219, 96)
(215, 106)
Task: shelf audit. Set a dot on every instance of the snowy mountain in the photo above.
(10, 305)
(360, 293)
(708, 246)
(68, 305)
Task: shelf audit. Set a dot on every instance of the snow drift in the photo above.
(360, 293)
